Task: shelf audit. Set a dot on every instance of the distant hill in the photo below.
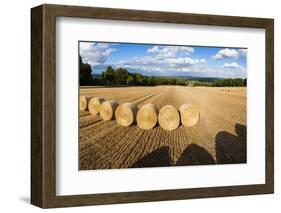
(121, 77)
(194, 78)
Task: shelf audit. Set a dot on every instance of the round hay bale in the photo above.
(84, 100)
(189, 115)
(169, 118)
(125, 114)
(147, 116)
(94, 105)
(107, 110)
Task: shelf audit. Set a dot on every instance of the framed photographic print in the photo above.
(135, 106)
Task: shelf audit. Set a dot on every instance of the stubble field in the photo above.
(218, 138)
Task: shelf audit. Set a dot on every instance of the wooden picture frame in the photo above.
(43, 105)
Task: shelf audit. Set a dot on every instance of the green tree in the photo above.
(109, 75)
(85, 73)
(102, 76)
(139, 79)
(180, 82)
(230, 82)
(130, 80)
(151, 81)
(121, 76)
(145, 81)
(171, 81)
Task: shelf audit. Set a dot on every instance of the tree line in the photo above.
(122, 77)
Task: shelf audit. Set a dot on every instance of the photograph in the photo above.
(145, 105)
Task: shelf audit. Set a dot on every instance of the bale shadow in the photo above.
(158, 158)
(195, 155)
(192, 155)
(232, 149)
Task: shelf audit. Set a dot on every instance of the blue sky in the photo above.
(166, 60)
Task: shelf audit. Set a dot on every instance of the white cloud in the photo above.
(226, 53)
(169, 51)
(187, 61)
(230, 53)
(95, 53)
(183, 65)
(144, 61)
(150, 61)
(202, 60)
(151, 64)
(232, 65)
(85, 46)
(164, 59)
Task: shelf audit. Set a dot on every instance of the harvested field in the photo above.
(219, 137)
